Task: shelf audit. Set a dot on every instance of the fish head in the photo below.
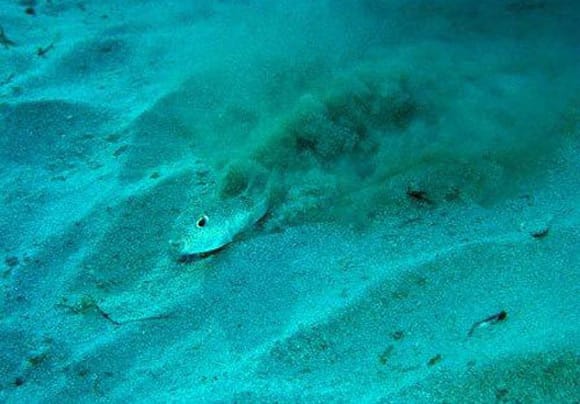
(204, 234)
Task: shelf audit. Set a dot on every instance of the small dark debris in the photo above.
(19, 381)
(155, 175)
(11, 261)
(304, 144)
(501, 393)
(453, 195)
(120, 150)
(398, 335)
(419, 196)
(84, 305)
(83, 372)
(106, 315)
(420, 281)
(36, 360)
(4, 40)
(112, 138)
(30, 11)
(7, 80)
(41, 52)
(541, 233)
(434, 360)
(106, 47)
(387, 353)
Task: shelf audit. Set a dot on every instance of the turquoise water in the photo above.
(378, 179)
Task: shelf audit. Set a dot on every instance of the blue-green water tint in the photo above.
(414, 164)
(357, 95)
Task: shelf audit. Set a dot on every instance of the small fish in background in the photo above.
(494, 319)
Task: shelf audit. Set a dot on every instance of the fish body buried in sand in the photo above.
(211, 231)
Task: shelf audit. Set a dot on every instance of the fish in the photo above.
(210, 231)
(493, 319)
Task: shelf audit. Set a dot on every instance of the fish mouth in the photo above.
(189, 258)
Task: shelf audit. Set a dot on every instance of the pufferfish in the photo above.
(208, 232)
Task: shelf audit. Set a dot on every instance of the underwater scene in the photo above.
(275, 201)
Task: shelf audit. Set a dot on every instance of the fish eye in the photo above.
(202, 221)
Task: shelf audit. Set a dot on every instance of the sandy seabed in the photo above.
(423, 159)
